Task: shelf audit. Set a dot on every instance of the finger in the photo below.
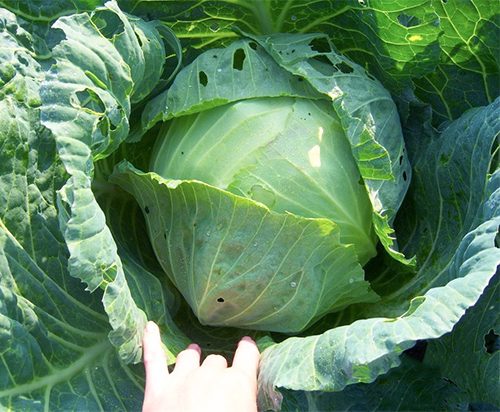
(215, 361)
(155, 361)
(188, 360)
(247, 356)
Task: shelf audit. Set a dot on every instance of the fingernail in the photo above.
(247, 338)
(195, 347)
(151, 327)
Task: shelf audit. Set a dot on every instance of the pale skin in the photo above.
(191, 387)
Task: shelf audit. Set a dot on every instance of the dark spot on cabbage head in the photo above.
(146, 209)
(253, 45)
(220, 300)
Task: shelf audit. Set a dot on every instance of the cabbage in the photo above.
(89, 91)
(257, 203)
(289, 154)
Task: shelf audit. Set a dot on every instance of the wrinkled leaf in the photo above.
(216, 246)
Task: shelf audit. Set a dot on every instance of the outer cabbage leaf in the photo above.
(473, 345)
(145, 278)
(87, 100)
(222, 76)
(468, 73)
(44, 10)
(55, 350)
(409, 387)
(217, 246)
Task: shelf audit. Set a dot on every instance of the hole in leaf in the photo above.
(141, 39)
(492, 342)
(407, 20)
(146, 209)
(400, 160)
(405, 176)
(88, 99)
(108, 23)
(253, 45)
(320, 45)
(322, 65)
(344, 67)
(100, 135)
(116, 119)
(220, 300)
(22, 58)
(203, 78)
(238, 59)
(495, 155)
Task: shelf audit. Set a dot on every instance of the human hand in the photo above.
(213, 386)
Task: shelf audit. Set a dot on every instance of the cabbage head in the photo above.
(272, 180)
